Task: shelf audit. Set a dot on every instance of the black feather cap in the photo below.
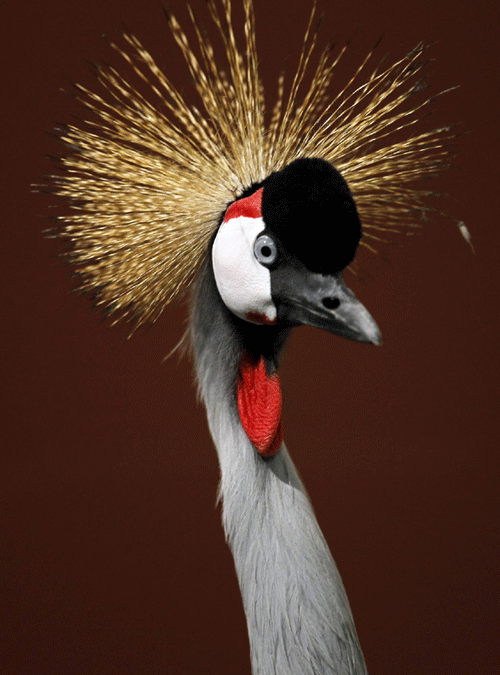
(309, 209)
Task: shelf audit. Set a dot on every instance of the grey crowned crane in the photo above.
(258, 210)
(267, 273)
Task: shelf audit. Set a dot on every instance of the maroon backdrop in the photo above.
(113, 558)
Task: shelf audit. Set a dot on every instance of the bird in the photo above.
(253, 210)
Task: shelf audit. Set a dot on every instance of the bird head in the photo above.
(280, 250)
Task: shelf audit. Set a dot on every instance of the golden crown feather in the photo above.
(147, 178)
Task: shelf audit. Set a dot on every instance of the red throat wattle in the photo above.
(259, 405)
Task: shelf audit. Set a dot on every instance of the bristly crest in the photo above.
(148, 178)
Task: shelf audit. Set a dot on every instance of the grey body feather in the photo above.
(298, 615)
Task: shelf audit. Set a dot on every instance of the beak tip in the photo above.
(373, 339)
(377, 338)
(367, 329)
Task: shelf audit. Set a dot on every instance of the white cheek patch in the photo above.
(243, 283)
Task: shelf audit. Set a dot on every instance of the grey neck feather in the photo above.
(298, 615)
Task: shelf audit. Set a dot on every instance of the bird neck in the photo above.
(298, 616)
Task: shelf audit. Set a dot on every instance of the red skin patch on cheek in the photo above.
(255, 317)
(259, 405)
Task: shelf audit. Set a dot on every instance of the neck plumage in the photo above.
(298, 616)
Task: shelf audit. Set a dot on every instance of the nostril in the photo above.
(331, 303)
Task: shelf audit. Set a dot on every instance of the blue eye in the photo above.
(265, 250)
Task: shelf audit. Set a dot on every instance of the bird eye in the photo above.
(265, 250)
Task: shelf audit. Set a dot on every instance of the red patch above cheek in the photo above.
(259, 405)
(250, 207)
(255, 317)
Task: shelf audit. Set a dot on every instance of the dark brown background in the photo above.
(113, 558)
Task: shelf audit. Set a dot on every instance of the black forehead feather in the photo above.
(310, 209)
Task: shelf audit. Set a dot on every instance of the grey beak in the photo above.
(324, 301)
